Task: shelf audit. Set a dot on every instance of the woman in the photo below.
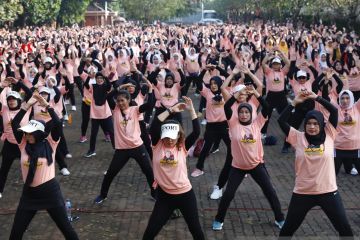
(347, 142)
(10, 150)
(41, 190)
(315, 182)
(170, 171)
(128, 142)
(247, 152)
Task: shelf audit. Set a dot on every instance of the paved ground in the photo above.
(126, 212)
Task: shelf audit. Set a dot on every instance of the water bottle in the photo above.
(68, 209)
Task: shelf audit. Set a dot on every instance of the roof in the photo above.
(95, 7)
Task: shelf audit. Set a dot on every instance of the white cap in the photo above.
(33, 126)
(92, 69)
(276, 60)
(44, 89)
(48, 59)
(301, 73)
(52, 79)
(239, 88)
(170, 130)
(13, 94)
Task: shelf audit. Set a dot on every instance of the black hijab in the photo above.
(100, 91)
(249, 107)
(40, 149)
(218, 81)
(169, 74)
(319, 117)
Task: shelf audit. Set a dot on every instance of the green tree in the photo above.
(72, 11)
(9, 10)
(40, 12)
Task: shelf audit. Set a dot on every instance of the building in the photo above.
(96, 15)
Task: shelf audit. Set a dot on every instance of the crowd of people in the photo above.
(133, 81)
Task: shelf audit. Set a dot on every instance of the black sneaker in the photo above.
(285, 149)
(90, 154)
(99, 199)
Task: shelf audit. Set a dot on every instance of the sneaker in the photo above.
(279, 224)
(354, 172)
(217, 193)
(214, 150)
(107, 138)
(196, 95)
(90, 154)
(203, 122)
(99, 199)
(217, 226)
(197, 173)
(67, 102)
(83, 139)
(263, 136)
(105, 172)
(66, 117)
(65, 172)
(73, 108)
(68, 155)
(0, 195)
(285, 149)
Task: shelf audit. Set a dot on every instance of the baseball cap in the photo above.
(238, 88)
(301, 73)
(33, 126)
(48, 59)
(276, 60)
(13, 94)
(44, 89)
(170, 130)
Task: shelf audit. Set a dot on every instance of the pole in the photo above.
(202, 10)
(106, 12)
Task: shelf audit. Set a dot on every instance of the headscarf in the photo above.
(169, 74)
(99, 93)
(351, 96)
(248, 107)
(319, 138)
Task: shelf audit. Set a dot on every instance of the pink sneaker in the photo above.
(197, 173)
(83, 139)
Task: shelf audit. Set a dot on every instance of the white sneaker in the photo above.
(354, 172)
(263, 136)
(203, 122)
(65, 172)
(217, 193)
(105, 172)
(197, 173)
(68, 155)
(66, 117)
(0, 195)
(196, 95)
(73, 108)
(67, 102)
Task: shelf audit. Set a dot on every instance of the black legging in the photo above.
(9, 153)
(23, 218)
(330, 203)
(189, 79)
(262, 178)
(348, 164)
(145, 138)
(106, 125)
(62, 144)
(275, 100)
(213, 132)
(164, 207)
(85, 117)
(71, 94)
(79, 84)
(120, 158)
(60, 159)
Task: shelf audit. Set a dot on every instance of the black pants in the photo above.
(145, 137)
(164, 207)
(148, 113)
(71, 94)
(106, 125)
(214, 132)
(23, 218)
(79, 84)
(85, 117)
(348, 158)
(262, 178)
(189, 79)
(62, 144)
(9, 153)
(60, 159)
(120, 158)
(330, 203)
(275, 100)
(202, 104)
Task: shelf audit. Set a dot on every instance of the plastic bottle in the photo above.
(68, 209)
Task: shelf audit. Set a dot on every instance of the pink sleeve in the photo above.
(357, 105)
(292, 137)
(330, 131)
(62, 90)
(260, 120)
(205, 91)
(267, 70)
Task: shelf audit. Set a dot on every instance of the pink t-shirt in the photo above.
(297, 87)
(140, 101)
(246, 145)
(314, 165)
(214, 110)
(127, 130)
(170, 171)
(8, 116)
(275, 81)
(348, 128)
(169, 96)
(354, 82)
(44, 173)
(98, 112)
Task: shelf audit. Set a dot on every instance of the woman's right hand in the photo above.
(179, 107)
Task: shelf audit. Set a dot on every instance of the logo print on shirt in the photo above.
(348, 120)
(168, 159)
(27, 164)
(315, 149)
(167, 95)
(248, 138)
